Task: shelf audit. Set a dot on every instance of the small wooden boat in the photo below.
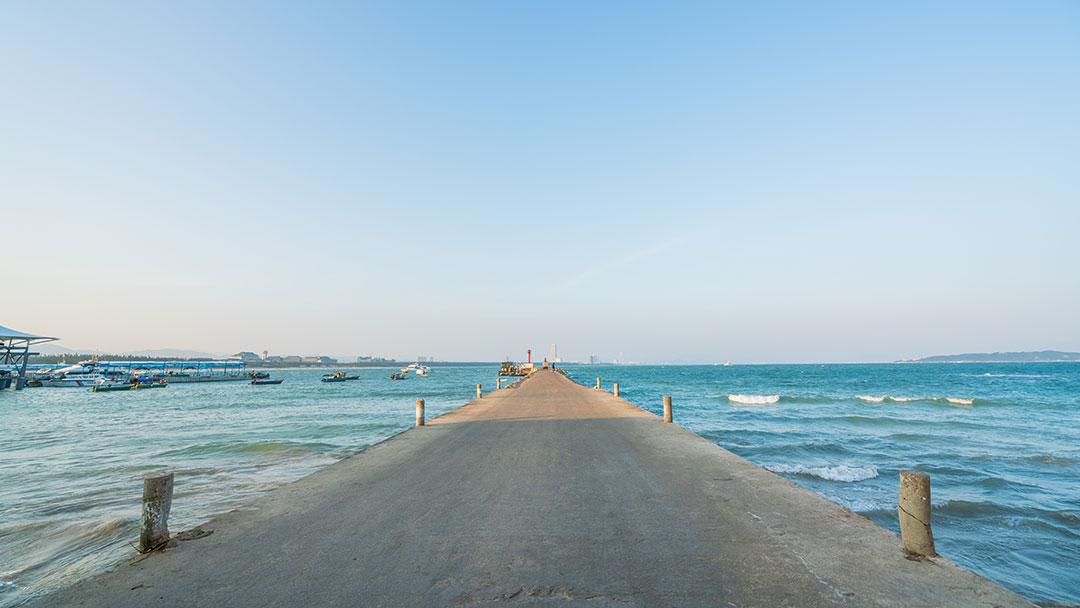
(106, 387)
(262, 381)
(338, 377)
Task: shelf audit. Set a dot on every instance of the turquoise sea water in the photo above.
(1001, 442)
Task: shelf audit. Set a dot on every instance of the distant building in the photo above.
(293, 359)
(246, 357)
(319, 361)
(593, 359)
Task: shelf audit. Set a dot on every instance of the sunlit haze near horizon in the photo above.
(698, 182)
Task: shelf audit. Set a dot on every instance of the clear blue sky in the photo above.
(764, 181)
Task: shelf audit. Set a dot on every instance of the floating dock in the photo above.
(545, 493)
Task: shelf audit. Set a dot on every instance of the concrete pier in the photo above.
(548, 494)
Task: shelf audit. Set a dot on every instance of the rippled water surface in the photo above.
(71, 460)
(1001, 442)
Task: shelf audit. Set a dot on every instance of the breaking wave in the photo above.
(841, 472)
(754, 399)
(890, 399)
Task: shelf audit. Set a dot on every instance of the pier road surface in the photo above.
(547, 493)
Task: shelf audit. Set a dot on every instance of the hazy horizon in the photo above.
(698, 183)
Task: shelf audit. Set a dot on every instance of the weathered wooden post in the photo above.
(419, 412)
(667, 408)
(615, 389)
(479, 392)
(914, 512)
(156, 502)
(498, 384)
(598, 383)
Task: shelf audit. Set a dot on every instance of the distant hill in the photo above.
(52, 348)
(1042, 356)
(173, 353)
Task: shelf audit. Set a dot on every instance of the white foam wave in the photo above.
(884, 398)
(840, 472)
(754, 399)
(959, 401)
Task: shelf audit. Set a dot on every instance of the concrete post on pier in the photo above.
(615, 389)
(598, 383)
(156, 503)
(914, 512)
(419, 412)
(498, 384)
(667, 408)
(479, 391)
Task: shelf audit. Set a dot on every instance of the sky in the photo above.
(659, 182)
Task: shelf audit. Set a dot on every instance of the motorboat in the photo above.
(131, 385)
(339, 377)
(80, 375)
(266, 381)
(419, 370)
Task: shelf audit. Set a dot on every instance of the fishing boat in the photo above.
(265, 381)
(133, 385)
(259, 375)
(338, 377)
(399, 375)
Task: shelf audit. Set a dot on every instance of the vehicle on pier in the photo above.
(509, 368)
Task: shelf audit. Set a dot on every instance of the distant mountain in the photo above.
(1042, 356)
(173, 353)
(52, 348)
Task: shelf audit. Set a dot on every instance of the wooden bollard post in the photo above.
(598, 383)
(419, 412)
(615, 389)
(498, 384)
(914, 512)
(156, 503)
(479, 392)
(667, 408)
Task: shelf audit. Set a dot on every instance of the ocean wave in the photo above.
(891, 399)
(754, 399)
(249, 447)
(1061, 461)
(841, 472)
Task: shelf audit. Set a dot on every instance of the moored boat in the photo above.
(266, 381)
(113, 385)
(339, 377)
(81, 375)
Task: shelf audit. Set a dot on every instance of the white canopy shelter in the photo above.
(15, 353)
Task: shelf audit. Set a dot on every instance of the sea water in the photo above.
(1000, 441)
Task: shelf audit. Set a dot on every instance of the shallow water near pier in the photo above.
(1001, 442)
